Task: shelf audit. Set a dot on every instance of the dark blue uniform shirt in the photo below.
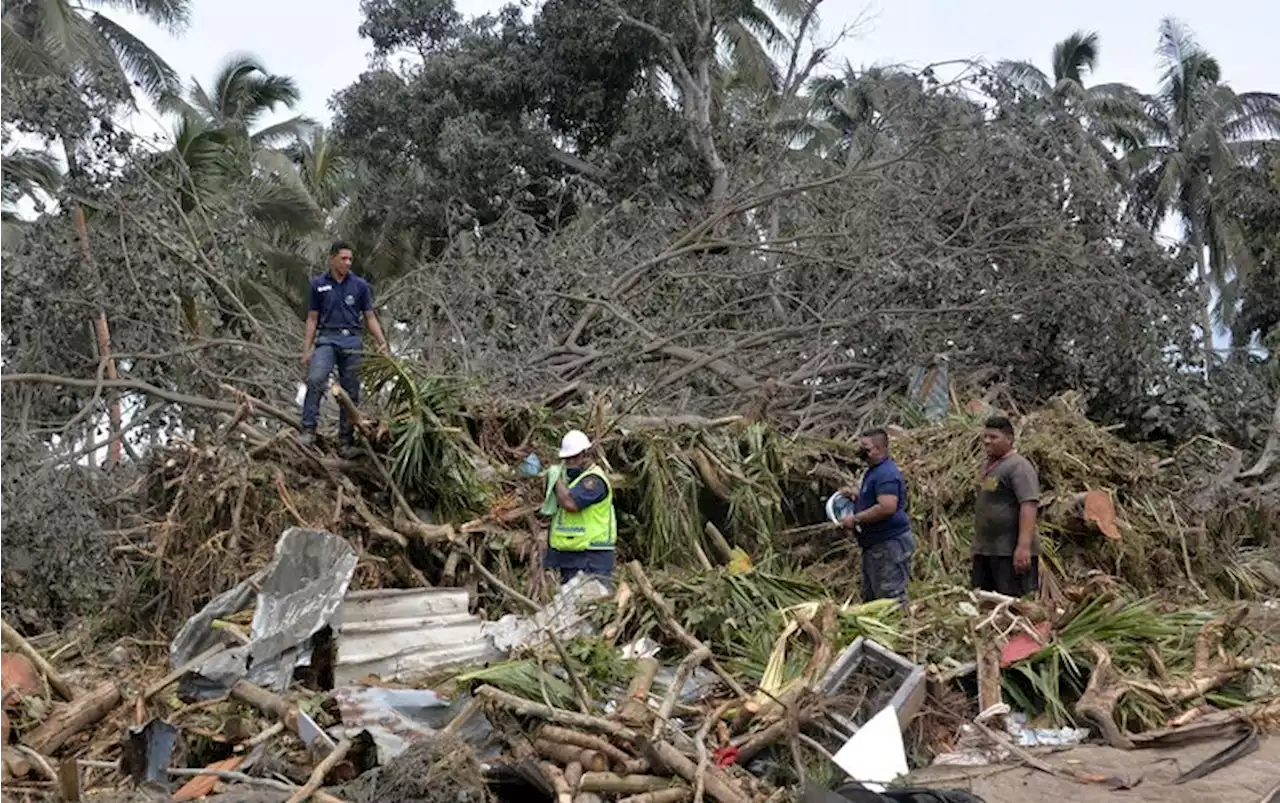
(884, 478)
(341, 305)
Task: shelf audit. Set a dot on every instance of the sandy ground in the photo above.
(1253, 779)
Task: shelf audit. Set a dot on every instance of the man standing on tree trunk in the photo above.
(880, 520)
(341, 305)
(1005, 547)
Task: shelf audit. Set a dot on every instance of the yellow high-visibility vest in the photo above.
(596, 527)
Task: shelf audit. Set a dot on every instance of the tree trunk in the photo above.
(103, 334)
(1206, 298)
(1271, 452)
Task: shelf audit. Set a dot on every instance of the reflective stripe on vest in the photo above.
(596, 527)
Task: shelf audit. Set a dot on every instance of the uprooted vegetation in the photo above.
(726, 516)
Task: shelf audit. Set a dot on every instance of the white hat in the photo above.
(575, 442)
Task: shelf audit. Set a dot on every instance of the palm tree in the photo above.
(243, 93)
(1201, 131)
(74, 41)
(65, 38)
(1110, 115)
(749, 34)
(852, 113)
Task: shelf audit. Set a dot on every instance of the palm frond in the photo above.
(140, 63)
(1024, 76)
(27, 171)
(278, 134)
(19, 56)
(172, 15)
(59, 31)
(1251, 115)
(1075, 56)
(750, 61)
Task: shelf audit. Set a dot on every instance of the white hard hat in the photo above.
(575, 442)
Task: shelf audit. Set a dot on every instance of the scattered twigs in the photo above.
(15, 640)
(683, 671)
(676, 794)
(38, 761)
(322, 769)
(174, 676)
(700, 744)
(579, 690)
(528, 708)
(676, 629)
(495, 582)
(715, 782)
(226, 775)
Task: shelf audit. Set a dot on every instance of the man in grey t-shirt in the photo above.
(1005, 546)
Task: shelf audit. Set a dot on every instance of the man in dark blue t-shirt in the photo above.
(340, 307)
(880, 519)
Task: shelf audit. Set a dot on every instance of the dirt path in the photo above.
(1249, 780)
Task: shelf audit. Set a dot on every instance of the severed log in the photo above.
(634, 709)
(564, 794)
(566, 754)
(71, 718)
(588, 741)
(670, 622)
(587, 797)
(676, 794)
(614, 784)
(15, 640)
(528, 708)
(322, 769)
(573, 776)
(716, 783)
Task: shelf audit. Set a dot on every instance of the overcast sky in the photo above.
(315, 41)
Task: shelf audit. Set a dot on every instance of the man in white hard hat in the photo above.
(584, 528)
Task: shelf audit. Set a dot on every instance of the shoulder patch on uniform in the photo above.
(591, 482)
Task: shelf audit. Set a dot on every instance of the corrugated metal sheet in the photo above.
(405, 633)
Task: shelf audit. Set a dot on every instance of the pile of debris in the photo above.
(296, 685)
(423, 654)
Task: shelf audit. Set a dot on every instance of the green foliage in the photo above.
(1057, 674)
(432, 452)
(527, 678)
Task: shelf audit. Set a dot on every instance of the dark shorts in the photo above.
(591, 561)
(886, 568)
(996, 573)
